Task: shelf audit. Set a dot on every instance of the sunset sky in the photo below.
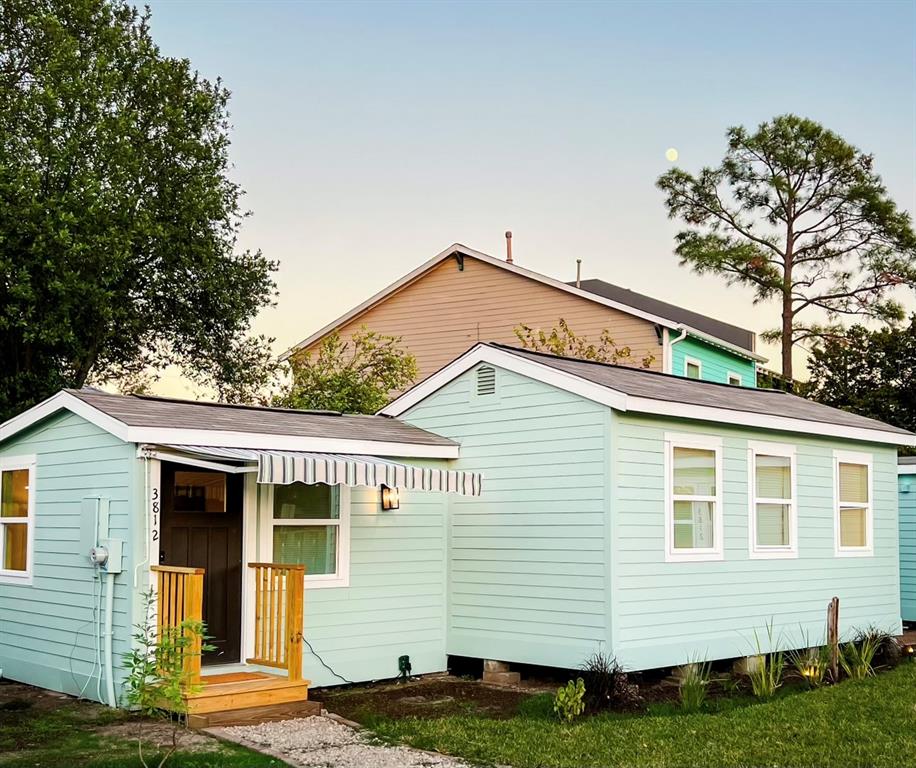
(369, 136)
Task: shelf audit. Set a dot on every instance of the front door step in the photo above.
(254, 715)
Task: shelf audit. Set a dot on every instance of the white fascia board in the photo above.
(906, 469)
(481, 353)
(726, 345)
(765, 421)
(267, 442)
(59, 402)
(619, 401)
(486, 258)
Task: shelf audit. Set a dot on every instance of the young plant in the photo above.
(694, 685)
(157, 677)
(766, 670)
(606, 684)
(856, 658)
(811, 664)
(569, 701)
(888, 652)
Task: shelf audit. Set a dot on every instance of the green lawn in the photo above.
(67, 733)
(857, 723)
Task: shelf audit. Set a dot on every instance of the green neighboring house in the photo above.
(659, 519)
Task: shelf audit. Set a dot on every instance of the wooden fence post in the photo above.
(833, 636)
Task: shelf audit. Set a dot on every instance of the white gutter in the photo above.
(669, 352)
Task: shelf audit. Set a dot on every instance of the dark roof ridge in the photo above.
(617, 366)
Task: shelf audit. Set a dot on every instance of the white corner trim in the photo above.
(854, 457)
(696, 555)
(22, 578)
(762, 552)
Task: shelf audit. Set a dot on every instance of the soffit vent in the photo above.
(486, 380)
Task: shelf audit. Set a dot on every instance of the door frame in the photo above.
(152, 481)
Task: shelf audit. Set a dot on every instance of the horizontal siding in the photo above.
(716, 363)
(527, 575)
(395, 604)
(907, 501)
(668, 613)
(446, 311)
(48, 629)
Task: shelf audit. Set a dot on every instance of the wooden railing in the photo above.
(279, 591)
(180, 598)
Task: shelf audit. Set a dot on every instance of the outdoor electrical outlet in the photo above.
(404, 666)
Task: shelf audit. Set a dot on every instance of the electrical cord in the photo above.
(325, 665)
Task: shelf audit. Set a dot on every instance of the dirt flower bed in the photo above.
(437, 697)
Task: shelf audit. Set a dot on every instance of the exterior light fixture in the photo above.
(390, 498)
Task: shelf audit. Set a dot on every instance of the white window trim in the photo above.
(705, 554)
(729, 375)
(25, 577)
(697, 363)
(763, 552)
(312, 581)
(850, 457)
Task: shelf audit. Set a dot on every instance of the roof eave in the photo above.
(483, 352)
(726, 345)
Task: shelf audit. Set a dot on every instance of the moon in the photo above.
(671, 154)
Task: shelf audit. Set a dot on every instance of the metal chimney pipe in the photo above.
(509, 247)
(578, 273)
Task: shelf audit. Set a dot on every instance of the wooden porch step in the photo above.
(255, 715)
(259, 691)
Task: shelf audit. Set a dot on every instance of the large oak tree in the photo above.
(800, 215)
(118, 215)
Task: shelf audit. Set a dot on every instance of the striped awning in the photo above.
(285, 467)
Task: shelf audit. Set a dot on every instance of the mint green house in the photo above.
(229, 514)
(906, 480)
(657, 518)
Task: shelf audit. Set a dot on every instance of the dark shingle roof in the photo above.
(676, 389)
(145, 411)
(730, 333)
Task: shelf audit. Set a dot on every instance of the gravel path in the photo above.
(320, 742)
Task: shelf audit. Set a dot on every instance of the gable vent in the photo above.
(486, 380)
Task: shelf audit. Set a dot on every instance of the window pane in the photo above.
(198, 491)
(14, 493)
(774, 477)
(14, 546)
(694, 472)
(854, 483)
(773, 525)
(852, 527)
(299, 501)
(314, 546)
(693, 371)
(693, 524)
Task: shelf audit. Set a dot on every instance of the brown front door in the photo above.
(201, 527)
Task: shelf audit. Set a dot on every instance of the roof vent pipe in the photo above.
(578, 273)
(509, 246)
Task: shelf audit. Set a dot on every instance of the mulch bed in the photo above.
(425, 698)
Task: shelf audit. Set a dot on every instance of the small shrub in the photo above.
(569, 702)
(766, 674)
(607, 685)
(694, 685)
(856, 658)
(811, 664)
(888, 652)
